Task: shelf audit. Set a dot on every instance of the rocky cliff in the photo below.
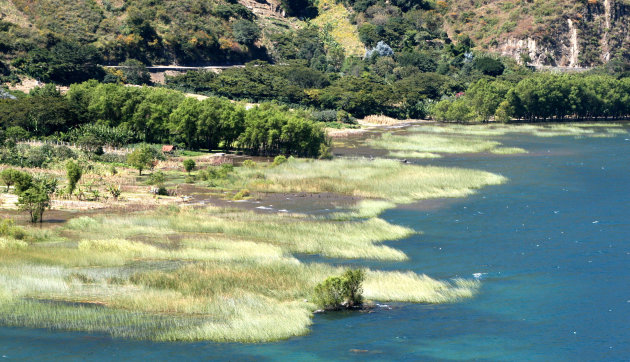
(557, 33)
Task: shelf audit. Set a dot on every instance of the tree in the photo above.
(36, 198)
(141, 158)
(22, 181)
(485, 97)
(489, 66)
(245, 32)
(382, 49)
(189, 165)
(134, 72)
(74, 173)
(10, 176)
(16, 133)
(184, 120)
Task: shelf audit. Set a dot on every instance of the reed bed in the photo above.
(431, 143)
(381, 120)
(542, 130)
(228, 275)
(221, 274)
(414, 154)
(373, 179)
(416, 288)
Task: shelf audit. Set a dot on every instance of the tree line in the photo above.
(94, 114)
(541, 97)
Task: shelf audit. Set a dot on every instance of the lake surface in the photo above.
(552, 247)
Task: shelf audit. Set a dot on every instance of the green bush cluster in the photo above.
(33, 192)
(345, 291)
(216, 172)
(541, 97)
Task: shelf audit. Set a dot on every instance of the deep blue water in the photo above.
(553, 245)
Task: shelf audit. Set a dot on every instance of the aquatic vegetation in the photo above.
(539, 130)
(419, 142)
(377, 179)
(364, 209)
(508, 151)
(219, 280)
(413, 154)
(225, 274)
(429, 141)
(416, 288)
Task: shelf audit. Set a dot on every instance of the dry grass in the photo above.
(381, 120)
(212, 274)
(336, 17)
(542, 130)
(219, 274)
(343, 133)
(376, 179)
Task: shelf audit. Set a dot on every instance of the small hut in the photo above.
(169, 149)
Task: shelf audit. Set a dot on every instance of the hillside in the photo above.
(559, 32)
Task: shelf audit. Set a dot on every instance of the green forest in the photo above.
(94, 115)
(414, 67)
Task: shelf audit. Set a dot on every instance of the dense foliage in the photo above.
(93, 115)
(341, 292)
(542, 97)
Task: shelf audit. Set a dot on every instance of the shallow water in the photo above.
(552, 247)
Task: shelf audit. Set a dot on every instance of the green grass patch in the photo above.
(221, 274)
(429, 141)
(206, 274)
(373, 179)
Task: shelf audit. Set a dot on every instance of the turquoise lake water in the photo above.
(552, 247)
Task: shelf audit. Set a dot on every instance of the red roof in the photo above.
(167, 148)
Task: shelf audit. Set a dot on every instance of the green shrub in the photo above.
(325, 152)
(345, 291)
(279, 160)
(241, 194)
(249, 164)
(216, 172)
(114, 190)
(74, 173)
(189, 165)
(8, 228)
(156, 178)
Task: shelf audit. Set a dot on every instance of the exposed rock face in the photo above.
(574, 49)
(5, 95)
(264, 8)
(599, 31)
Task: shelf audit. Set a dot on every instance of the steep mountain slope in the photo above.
(543, 32)
(555, 32)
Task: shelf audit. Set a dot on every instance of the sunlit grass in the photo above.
(363, 210)
(379, 179)
(416, 288)
(427, 143)
(295, 233)
(336, 18)
(413, 154)
(227, 275)
(508, 151)
(541, 130)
